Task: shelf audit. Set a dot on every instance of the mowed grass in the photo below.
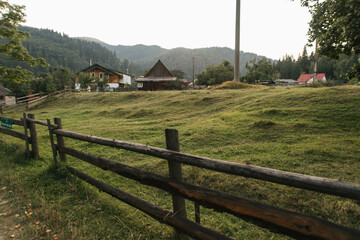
(312, 131)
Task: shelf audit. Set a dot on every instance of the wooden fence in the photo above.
(275, 219)
(27, 101)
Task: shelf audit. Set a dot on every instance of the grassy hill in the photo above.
(312, 131)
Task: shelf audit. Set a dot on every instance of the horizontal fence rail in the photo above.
(278, 220)
(27, 124)
(318, 184)
(192, 229)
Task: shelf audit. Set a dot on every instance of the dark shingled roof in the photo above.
(4, 91)
(105, 69)
(158, 73)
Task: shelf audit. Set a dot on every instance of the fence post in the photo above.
(175, 171)
(27, 106)
(53, 147)
(60, 139)
(1, 110)
(34, 138)
(26, 135)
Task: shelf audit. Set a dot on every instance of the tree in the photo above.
(84, 79)
(179, 74)
(101, 83)
(44, 83)
(216, 74)
(335, 26)
(11, 43)
(62, 77)
(304, 62)
(259, 70)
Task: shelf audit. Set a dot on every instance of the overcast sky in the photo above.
(271, 28)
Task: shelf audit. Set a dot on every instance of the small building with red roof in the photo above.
(309, 78)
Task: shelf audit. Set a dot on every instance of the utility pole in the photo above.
(316, 55)
(316, 62)
(193, 73)
(237, 43)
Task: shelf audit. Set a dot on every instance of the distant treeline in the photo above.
(60, 50)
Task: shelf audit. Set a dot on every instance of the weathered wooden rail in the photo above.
(29, 123)
(278, 220)
(26, 102)
(293, 224)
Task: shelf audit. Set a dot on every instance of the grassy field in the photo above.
(312, 131)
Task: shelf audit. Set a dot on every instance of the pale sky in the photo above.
(271, 28)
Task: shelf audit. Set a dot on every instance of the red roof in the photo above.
(307, 77)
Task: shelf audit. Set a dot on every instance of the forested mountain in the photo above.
(75, 53)
(60, 50)
(177, 58)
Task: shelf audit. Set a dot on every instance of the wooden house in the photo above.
(309, 78)
(156, 78)
(116, 79)
(5, 96)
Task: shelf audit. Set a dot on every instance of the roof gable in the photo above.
(4, 91)
(159, 71)
(104, 69)
(307, 77)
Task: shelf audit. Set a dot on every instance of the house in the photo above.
(116, 79)
(5, 98)
(285, 82)
(308, 78)
(156, 78)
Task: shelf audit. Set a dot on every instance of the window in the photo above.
(140, 85)
(101, 75)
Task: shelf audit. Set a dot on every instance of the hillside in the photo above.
(177, 58)
(60, 50)
(305, 130)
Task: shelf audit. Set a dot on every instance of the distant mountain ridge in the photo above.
(61, 50)
(75, 53)
(176, 58)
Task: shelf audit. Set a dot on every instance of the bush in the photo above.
(233, 85)
(173, 85)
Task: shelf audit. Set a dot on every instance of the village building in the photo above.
(115, 78)
(286, 82)
(309, 78)
(156, 78)
(5, 96)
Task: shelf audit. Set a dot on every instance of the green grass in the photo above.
(306, 130)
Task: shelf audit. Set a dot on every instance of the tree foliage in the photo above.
(179, 74)
(335, 26)
(259, 70)
(216, 74)
(11, 43)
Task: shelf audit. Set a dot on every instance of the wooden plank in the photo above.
(197, 212)
(34, 138)
(13, 134)
(53, 147)
(60, 139)
(175, 171)
(14, 121)
(318, 184)
(42, 123)
(26, 135)
(29, 96)
(164, 216)
(275, 219)
(37, 100)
